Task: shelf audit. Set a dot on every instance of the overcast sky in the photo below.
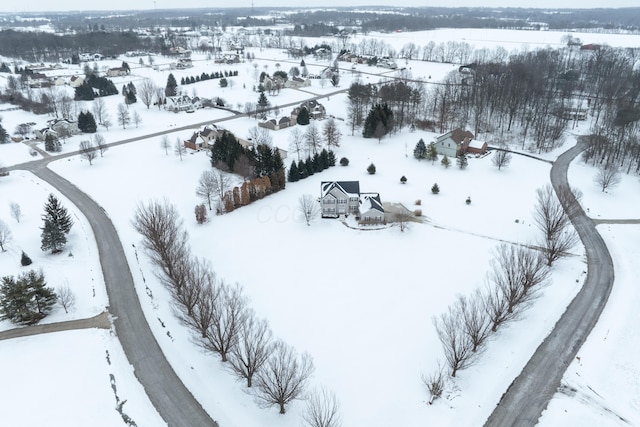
(65, 5)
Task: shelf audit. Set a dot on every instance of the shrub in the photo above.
(418, 202)
(344, 161)
(403, 179)
(435, 189)
(25, 260)
(371, 169)
(201, 214)
(417, 213)
(468, 201)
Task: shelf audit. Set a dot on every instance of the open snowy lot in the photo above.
(360, 302)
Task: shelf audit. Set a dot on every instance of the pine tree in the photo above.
(91, 126)
(171, 88)
(293, 174)
(445, 162)
(25, 260)
(332, 158)
(51, 143)
(303, 117)
(371, 169)
(420, 151)
(435, 189)
(462, 161)
(432, 153)
(26, 300)
(324, 159)
(302, 169)
(57, 223)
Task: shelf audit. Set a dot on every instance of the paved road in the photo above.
(530, 392)
(100, 321)
(173, 401)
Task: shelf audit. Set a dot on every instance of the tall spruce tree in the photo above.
(27, 299)
(420, 151)
(57, 223)
(293, 175)
(172, 85)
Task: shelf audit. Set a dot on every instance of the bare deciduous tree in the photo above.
(435, 383)
(137, 119)
(164, 143)
(207, 186)
(164, 240)
(5, 235)
(456, 343)
(253, 348)
(296, 141)
(607, 177)
(123, 116)
(227, 319)
(260, 136)
(146, 91)
(501, 158)
(284, 377)
(558, 235)
(476, 321)
(88, 151)
(322, 409)
(100, 143)
(331, 133)
(313, 138)
(66, 297)
(308, 207)
(99, 110)
(16, 211)
(178, 149)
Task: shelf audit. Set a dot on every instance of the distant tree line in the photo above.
(205, 76)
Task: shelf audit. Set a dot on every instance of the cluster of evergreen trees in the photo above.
(86, 122)
(95, 86)
(204, 76)
(304, 168)
(379, 122)
(129, 92)
(261, 161)
(27, 299)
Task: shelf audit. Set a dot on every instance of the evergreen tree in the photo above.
(324, 159)
(309, 165)
(445, 162)
(91, 126)
(51, 143)
(303, 117)
(25, 260)
(302, 169)
(82, 122)
(172, 85)
(462, 161)
(262, 100)
(379, 122)
(25, 300)
(331, 158)
(371, 169)
(317, 163)
(420, 151)
(432, 153)
(435, 189)
(57, 223)
(84, 92)
(4, 136)
(293, 174)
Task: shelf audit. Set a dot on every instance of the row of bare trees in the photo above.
(219, 316)
(516, 275)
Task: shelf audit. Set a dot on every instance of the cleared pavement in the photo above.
(529, 394)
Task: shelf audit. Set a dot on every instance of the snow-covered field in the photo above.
(360, 302)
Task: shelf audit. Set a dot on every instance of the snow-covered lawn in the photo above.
(360, 302)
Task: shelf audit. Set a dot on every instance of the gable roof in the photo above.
(457, 135)
(372, 201)
(347, 187)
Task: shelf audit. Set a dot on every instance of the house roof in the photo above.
(348, 187)
(477, 144)
(457, 135)
(372, 201)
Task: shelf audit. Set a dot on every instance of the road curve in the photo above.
(173, 401)
(529, 394)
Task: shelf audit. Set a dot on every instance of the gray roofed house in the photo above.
(371, 210)
(343, 198)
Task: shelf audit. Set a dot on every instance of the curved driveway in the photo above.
(530, 392)
(173, 401)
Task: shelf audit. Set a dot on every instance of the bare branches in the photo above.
(207, 186)
(88, 151)
(558, 234)
(146, 92)
(66, 297)
(5, 235)
(456, 343)
(16, 211)
(607, 176)
(284, 376)
(309, 208)
(501, 158)
(435, 383)
(323, 409)
(253, 348)
(226, 320)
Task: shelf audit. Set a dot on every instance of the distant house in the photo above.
(315, 109)
(275, 124)
(297, 82)
(202, 139)
(117, 72)
(454, 143)
(76, 81)
(182, 103)
(57, 126)
(343, 198)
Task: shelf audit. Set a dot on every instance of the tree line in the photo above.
(219, 316)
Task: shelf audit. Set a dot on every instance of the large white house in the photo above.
(344, 197)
